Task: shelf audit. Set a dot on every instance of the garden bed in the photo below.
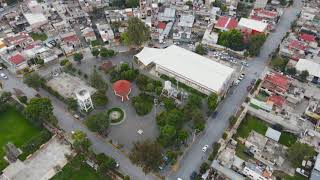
(116, 115)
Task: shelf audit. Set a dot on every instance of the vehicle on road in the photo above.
(193, 175)
(253, 81)
(1, 67)
(205, 148)
(241, 76)
(237, 82)
(3, 75)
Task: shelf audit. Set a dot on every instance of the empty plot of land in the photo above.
(66, 85)
(42, 164)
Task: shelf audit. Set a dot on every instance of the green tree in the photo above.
(99, 98)
(303, 75)
(298, 152)
(169, 104)
(106, 53)
(283, 2)
(174, 117)
(201, 50)
(146, 154)
(142, 104)
(216, 3)
(80, 141)
(97, 81)
(105, 162)
(33, 80)
(118, 3)
(168, 135)
(78, 57)
(279, 63)
(98, 123)
(132, 3)
(39, 110)
(72, 104)
(96, 43)
(189, 3)
(95, 52)
(292, 71)
(255, 43)
(232, 39)
(213, 101)
(137, 32)
(124, 38)
(194, 100)
(4, 98)
(183, 135)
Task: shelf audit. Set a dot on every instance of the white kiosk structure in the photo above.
(84, 99)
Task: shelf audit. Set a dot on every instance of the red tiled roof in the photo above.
(278, 80)
(225, 22)
(307, 37)
(73, 38)
(297, 45)
(266, 13)
(277, 100)
(162, 25)
(122, 87)
(17, 59)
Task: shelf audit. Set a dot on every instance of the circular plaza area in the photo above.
(116, 116)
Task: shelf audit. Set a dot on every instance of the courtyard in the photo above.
(16, 129)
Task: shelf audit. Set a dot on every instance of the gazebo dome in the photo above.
(122, 88)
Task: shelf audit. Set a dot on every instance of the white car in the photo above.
(205, 148)
(241, 76)
(3, 75)
(237, 82)
(1, 67)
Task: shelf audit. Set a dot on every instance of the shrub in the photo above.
(23, 99)
(204, 167)
(64, 62)
(215, 149)
(142, 104)
(224, 135)
(99, 98)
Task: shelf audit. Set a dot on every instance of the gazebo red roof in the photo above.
(122, 87)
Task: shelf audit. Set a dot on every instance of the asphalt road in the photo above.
(215, 126)
(68, 124)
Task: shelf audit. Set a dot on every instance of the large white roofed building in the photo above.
(252, 26)
(311, 66)
(187, 67)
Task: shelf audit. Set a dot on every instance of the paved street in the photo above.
(215, 127)
(68, 124)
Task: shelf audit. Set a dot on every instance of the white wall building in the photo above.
(196, 71)
(311, 66)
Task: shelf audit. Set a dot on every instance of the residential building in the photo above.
(275, 83)
(19, 40)
(313, 109)
(88, 34)
(225, 23)
(260, 4)
(312, 66)
(105, 32)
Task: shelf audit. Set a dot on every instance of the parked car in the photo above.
(241, 76)
(3, 75)
(205, 148)
(193, 175)
(237, 82)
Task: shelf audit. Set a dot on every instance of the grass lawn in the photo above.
(285, 176)
(39, 36)
(77, 169)
(287, 139)
(251, 123)
(16, 129)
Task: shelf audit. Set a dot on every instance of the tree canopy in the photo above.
(78, 57)
(39, 110)
(33, 80)
(213, 101)
(232, 39)
(303, 75)
(80, 141)
(201, 50)
(98, 123)
(298, 152)
(142, 104)
(255, 43)
(279, 63)
(146, 154)
(4, 98)
(137, 32)
(97, 81)
(95, 52)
